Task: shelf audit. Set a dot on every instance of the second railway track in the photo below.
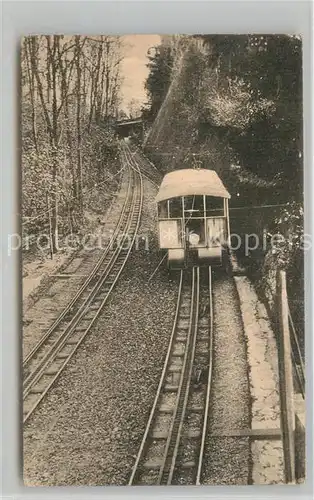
(51, 354)
(173, 444)
(148, 169)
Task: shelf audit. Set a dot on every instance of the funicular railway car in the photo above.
(193, 219)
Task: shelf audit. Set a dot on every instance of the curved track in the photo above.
(173, 444)
(49, 357)
(148, 169)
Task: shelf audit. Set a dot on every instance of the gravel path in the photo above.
(226, 458)
(267, 455)
(88, 429)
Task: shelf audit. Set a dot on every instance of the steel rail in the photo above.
(37, 372)
(160, 386)
(84, 286)
(171, 435)
(190, 293)
(153, 178)
(167, 458)
(52, 355)
(197, 441)
(137, 202)
(186, 375)
(146, 175)
(72, 323)
(209, 379)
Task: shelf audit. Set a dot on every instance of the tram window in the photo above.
(214, 206)
(162, 210)
(175, 208)
(194, 206)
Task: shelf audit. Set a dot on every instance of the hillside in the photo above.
(234, 104)
(228, 102)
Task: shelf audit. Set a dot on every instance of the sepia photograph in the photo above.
(162, 244)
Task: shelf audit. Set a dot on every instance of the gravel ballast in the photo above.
(88, 429)
(43, 306)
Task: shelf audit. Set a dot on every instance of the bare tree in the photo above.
(69, 84)
(31, 83)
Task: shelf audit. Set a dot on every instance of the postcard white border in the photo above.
(128, 17)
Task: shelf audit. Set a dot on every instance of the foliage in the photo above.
(245, 90)
(69, 84)
(271, 67)
(287, 254)
(235, 105)
(160, 67)
(236, 109)
(36, 178)
(290, 225)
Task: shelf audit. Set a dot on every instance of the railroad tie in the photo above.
(189, 464)
(192, 434)
(51, 371)
(202, 352)
(156, 463)
(178, 353)
(159, 435)
(165, 409)
(62, 356)
(184, 316)
(195, 409)
(80, 328)
(171, 388)
(153, 464)
(37, 390)
(73, 341)
(181, 339)
(175, 369)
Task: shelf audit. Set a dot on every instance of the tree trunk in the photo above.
(65, 87)
(78, 123)
(95, 84)
(34, 66)
(107, 80)
(55, 133)
(48, 64)
(31, 78)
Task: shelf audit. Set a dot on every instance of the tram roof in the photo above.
(191, 182)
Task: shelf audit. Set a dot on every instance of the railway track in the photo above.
(48, 358)
(173, 444)
(149, 171)
(153, 178)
